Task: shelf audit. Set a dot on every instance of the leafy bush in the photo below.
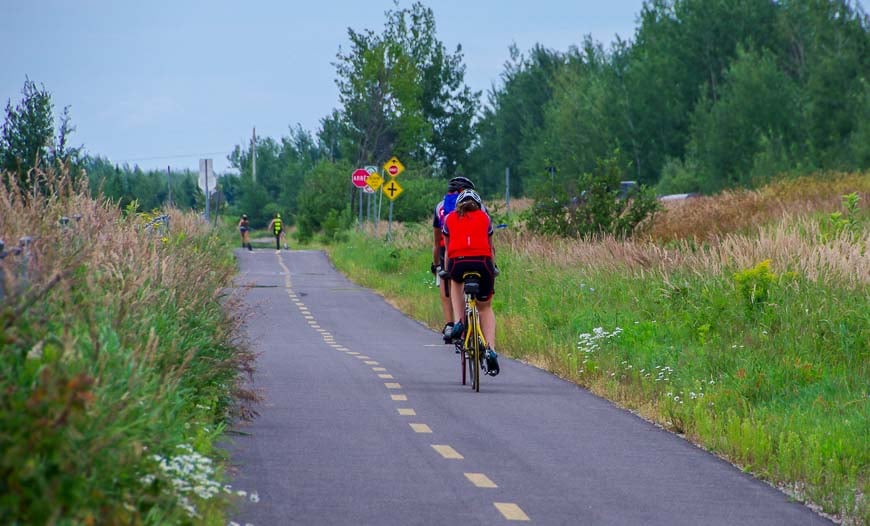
(327, 188)
(754, 284)
(599, 210)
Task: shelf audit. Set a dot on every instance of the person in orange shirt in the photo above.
(468, 240)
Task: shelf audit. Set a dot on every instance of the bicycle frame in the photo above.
(474, 342)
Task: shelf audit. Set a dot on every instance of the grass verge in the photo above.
(119, 366)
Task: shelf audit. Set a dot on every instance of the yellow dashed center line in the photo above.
(352, 353)
(364, 357)
(385, 376)
(420, 428)
(511, 511)
(480, 480)
(447, 452)
(379, 369)
(399, 398)
(406, 411)
(392, 385)
(371, 362)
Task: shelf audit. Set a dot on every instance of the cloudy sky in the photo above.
(160, 83)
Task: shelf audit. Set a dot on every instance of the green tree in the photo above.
(757, 110)
(513, 119)
(27, 134)
(326, 189)
(403, 94)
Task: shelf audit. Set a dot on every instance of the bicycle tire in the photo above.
(462, 360)
(473, 331)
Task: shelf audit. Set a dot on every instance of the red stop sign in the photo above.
(358, 177)
(394, 170)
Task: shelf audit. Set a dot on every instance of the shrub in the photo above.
(599, 210)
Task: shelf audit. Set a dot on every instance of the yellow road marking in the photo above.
(406, 411)
(447, 452)
(379, 369)
(392, 385)
(420, 428)
(480, 480)
(352, 353)
(399, 398)
(371, 362)
(511, 511)
(385, 376)
(364, 357)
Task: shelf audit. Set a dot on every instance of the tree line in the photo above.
(707, 95)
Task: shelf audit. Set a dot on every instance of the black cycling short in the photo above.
(480, 264)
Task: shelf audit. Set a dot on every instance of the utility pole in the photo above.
(254, 155)
(507, 188)
(169, 184)
(552, 170)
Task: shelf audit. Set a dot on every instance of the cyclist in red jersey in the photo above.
(468, 239)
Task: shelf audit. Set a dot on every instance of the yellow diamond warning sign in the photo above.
(374, 181)
(393, 167)
(391, 189)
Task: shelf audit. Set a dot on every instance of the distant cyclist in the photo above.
(277, 229)
(468, 238)
(244, 230)
(444, 207)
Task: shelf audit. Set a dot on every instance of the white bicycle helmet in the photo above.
(466, 195)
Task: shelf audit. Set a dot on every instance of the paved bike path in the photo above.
(364, 414)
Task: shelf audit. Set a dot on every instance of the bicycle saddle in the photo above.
(471, 283)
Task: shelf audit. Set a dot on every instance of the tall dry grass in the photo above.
(792, 245)
(116, 334)
(732, 211)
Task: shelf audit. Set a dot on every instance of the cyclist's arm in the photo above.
(437, 236)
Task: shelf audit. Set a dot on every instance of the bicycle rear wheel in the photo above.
(462, 360)
(476, 351)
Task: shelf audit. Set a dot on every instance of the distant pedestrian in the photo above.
(244, 230)
(277, 229)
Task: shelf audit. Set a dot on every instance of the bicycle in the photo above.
(471, 347)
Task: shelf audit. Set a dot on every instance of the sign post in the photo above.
(358, 178)
(205, 169)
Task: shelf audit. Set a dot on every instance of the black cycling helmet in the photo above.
(460, 183)
(469, 195)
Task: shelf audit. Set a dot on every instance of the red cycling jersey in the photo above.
(468, 234)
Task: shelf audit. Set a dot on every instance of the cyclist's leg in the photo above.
(487, 321)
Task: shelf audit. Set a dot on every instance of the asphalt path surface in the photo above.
(365, 421)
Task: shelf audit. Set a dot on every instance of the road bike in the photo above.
(472, 345)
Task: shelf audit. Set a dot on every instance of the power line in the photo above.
(178, 156)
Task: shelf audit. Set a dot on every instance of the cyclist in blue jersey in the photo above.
(444, 207)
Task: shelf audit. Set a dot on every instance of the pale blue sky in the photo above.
(159, 83)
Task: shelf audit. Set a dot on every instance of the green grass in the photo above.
(776, 383)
